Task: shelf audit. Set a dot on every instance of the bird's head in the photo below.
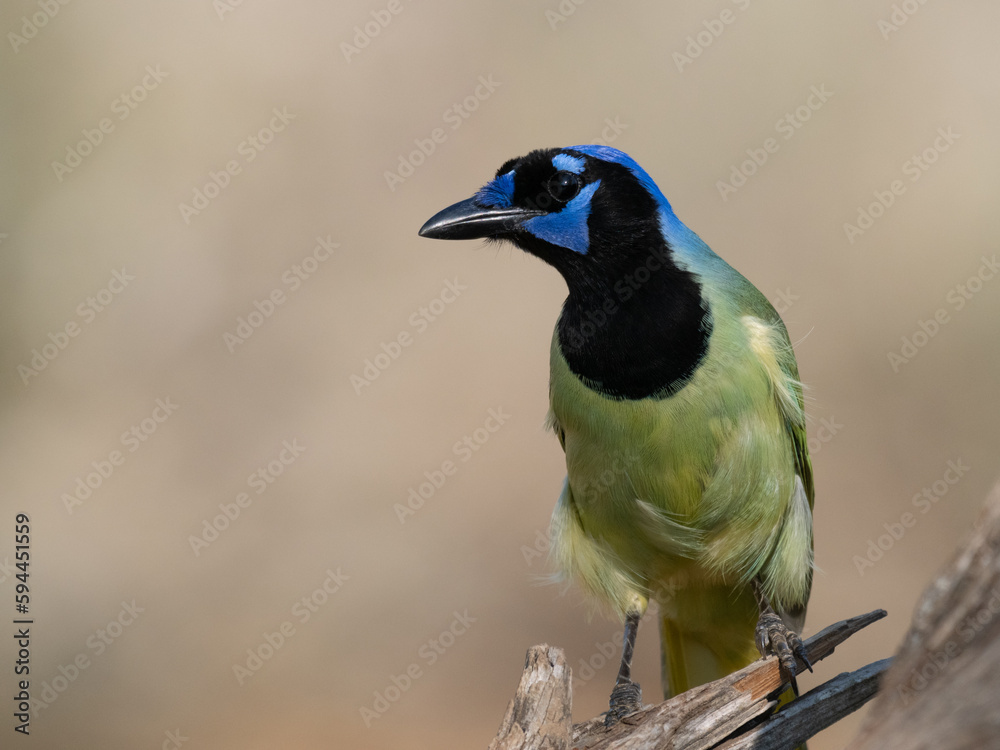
(636, 323)
(589, 211)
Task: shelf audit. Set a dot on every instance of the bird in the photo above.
(675, 394)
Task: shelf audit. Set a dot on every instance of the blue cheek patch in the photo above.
(498, 192)
(567, 163)
(567, 228)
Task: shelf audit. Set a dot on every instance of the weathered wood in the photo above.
(699, 719)
(943, 690)
(539, 716)
(706, 715)
(814, 711)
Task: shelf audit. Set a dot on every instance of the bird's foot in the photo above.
(626, 699)
(774, 637)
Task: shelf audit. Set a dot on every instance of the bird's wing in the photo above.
(769, 339)
(790, 565)
(803, 463)
(795, 615)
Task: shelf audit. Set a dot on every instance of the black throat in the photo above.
(639, 332)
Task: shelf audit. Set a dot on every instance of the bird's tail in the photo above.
(693, 656)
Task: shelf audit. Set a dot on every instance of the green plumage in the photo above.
(686, 499)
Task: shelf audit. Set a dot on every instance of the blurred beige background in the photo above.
(309, 112)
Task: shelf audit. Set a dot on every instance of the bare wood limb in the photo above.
(814, 711)
(706, 715)
(699, 719)
(539, 716)
(942, 691)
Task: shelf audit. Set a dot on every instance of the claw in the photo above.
(774, 637)
(800, 651)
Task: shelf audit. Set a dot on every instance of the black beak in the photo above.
(469, 221)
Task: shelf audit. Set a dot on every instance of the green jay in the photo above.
(675, 394)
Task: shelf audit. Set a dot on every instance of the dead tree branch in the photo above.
(702, 718)
(943, 691)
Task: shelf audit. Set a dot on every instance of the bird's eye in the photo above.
(563, 186)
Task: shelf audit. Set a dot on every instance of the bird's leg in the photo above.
(774, 637)
(626, 697)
